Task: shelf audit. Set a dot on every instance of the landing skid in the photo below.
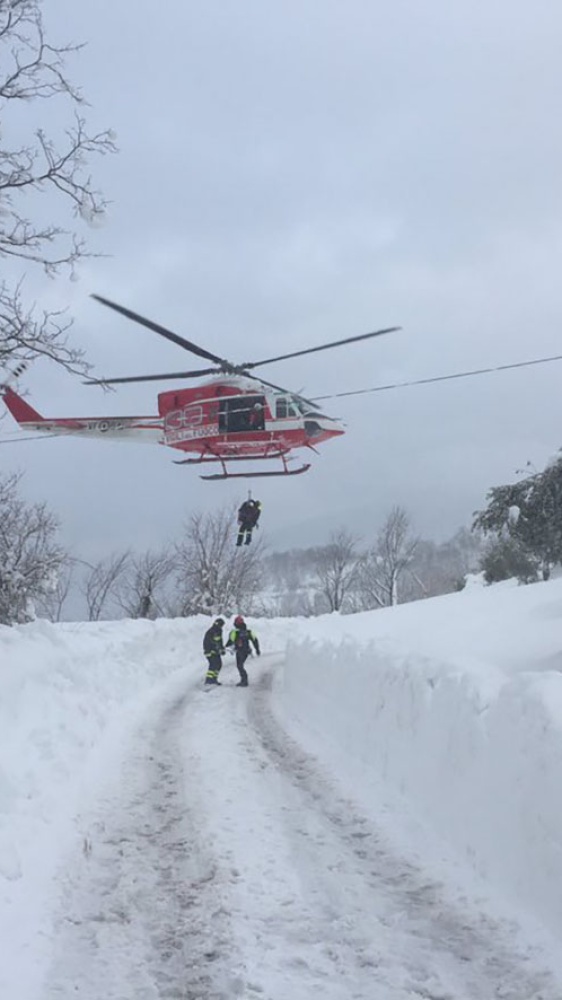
(225, 474)
(256, 475)
(231, 458)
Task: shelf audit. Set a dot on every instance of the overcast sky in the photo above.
(296, 171)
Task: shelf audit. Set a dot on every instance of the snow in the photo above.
(513, 515)
(378, 816)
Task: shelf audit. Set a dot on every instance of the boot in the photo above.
(242, 684)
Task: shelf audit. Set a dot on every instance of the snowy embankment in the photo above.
(60, 687)
(451, 706)
(456, 704)
(67, 692)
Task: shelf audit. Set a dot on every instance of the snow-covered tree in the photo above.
(34, 162)
(51, 605)
(530, 513)
(385, 564)
(30, 558)
(213, 575)
(504, 557)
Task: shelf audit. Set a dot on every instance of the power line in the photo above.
(34, 437)
(442, 378)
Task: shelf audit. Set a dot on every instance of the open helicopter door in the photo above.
(241, 414)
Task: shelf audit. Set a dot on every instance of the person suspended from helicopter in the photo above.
(239, 641)
(248, 517)
(213, 648)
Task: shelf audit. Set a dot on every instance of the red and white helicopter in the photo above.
(235, 416)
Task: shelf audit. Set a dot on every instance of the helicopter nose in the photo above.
(323, 427)
(336, 428)
(312, 428)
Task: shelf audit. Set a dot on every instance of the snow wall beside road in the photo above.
(60, 686)
(476, 751)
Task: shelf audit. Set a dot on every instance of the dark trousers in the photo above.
(241, 658)
(244, 530)
(214, 668)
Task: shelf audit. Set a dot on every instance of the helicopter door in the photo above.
(238, 414)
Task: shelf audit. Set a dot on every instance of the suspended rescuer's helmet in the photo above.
(239, 620)
(219, 621)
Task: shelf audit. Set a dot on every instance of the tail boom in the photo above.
(149, 429)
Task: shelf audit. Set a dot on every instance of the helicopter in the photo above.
(235, 416)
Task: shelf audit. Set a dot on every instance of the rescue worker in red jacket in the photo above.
(240, 638)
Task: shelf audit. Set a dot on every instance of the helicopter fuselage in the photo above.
(224, 420)
(236, 417)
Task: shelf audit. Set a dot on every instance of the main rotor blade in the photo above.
(288, 392)
(152, 378)
(162, 331)
(443, 378)
(278, 388)
(271, 385)
(322, 347)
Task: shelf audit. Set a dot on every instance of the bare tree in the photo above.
(335, 566)
(102, 582)
(32, 70)
(30, 558)
(141, 591)
(213, 574)
(384, 565)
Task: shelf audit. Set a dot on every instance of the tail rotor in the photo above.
(13, 375)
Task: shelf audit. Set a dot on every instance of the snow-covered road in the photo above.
(222, 861)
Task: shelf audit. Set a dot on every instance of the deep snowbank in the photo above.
(60, 686)
(64, 691)
(457, 704)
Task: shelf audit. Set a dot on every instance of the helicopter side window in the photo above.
(241, 413)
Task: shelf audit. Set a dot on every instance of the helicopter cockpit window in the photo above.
(241, 413)
(285, 408)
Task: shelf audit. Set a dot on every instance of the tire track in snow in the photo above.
(142, 910)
